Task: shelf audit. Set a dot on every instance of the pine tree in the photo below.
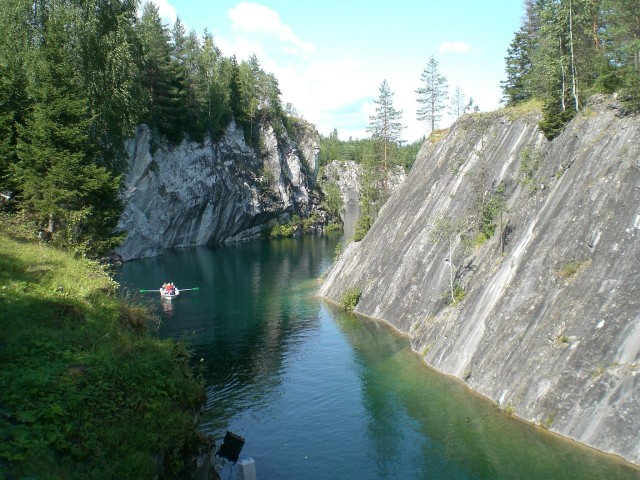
(432, 95)
(14, 99)
(518, 86)
(459, 105)
(163, 80)
(385, 127)
(622, 48)
(60, 185)
(103, 38)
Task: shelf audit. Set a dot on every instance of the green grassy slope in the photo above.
(84, 392)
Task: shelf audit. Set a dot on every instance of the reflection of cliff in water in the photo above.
(350, 217)
(421, 418)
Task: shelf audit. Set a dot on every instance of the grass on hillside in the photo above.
(84, 393)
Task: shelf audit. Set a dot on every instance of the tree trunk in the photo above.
(574, 73)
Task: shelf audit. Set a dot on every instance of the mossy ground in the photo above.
(85, 393)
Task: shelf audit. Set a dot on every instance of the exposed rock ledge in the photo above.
(215, 192)
(549, 328)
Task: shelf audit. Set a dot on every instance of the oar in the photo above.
(142, 290)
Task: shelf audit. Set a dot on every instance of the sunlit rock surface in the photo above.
(214, 192)
(550, 325)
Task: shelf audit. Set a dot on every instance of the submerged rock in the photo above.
(548, 322)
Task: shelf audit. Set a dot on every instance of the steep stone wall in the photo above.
(550, 325)
(200, 194)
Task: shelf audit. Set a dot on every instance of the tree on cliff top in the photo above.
(432, 95)
(385, 127)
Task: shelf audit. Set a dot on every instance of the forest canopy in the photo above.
(567, 50)
(76, 77)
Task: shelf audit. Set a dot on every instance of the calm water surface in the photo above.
(321, 394)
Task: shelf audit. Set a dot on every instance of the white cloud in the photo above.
(166, 11)
(454, 47)
(250, 17)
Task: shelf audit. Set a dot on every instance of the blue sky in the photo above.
(330, 57)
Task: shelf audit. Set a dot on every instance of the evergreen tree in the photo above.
(60, 185)
(566, 61)
(163, 80)
(432, 95)
(186, 53)
(518, 88)
(236, 94)
(621, 41)
(14, 99)
(459, 105)
(385, 127)
(105, 45)
(213, 87)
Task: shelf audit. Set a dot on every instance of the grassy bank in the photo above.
(84, 393)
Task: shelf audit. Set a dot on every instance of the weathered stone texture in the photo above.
(561, 346)
(201, 194)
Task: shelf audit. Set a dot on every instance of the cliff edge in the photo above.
(549, 323)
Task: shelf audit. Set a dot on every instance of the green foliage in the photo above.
(332, 200)
(285, 230)
(85, 393)
(491, 211)
(351, 298)
(459, 294)
(363, 225)
(447, 230)
(554, 119)
(572, 268)
(62, 187)
(385, 128)
(566, 51)
(76, 77)
(432, 95)
(295, 226)
(531, 159)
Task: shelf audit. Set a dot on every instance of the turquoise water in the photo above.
(321, 394)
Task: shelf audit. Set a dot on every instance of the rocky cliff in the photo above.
(549, 326)
(214, 192)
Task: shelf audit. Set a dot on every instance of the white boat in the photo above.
(169, 296)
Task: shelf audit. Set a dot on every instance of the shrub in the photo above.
(363, 225)
(458, 294)
(531, 160)
(572, 268)
(351, 298)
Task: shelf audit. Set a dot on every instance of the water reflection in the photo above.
(319, 393)
(434, 423)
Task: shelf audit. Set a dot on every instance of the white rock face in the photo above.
(200, 194)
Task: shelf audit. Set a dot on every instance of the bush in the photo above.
(351, 298)
(363, 225)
